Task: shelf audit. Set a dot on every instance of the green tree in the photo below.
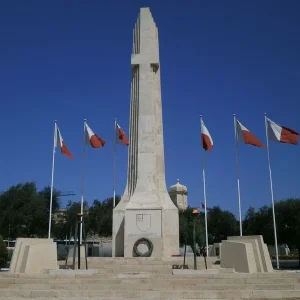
(100, 216)
(3, 253)
(46, 194)
(287, 214)
(62, 229)
(288, 223)
(260, 222)
(24, 211)
(221, 224)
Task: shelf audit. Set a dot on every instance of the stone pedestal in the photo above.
(246, 254)
(33, 256)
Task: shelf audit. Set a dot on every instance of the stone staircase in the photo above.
(116, 279)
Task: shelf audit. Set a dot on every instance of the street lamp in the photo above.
(195, 213)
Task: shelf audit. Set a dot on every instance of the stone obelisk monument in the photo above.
(145, 211)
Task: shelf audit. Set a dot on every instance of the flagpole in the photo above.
(272, 194)
(238, 175)
(82, 181)
(204, 192)
(115, 160)
(52, 177)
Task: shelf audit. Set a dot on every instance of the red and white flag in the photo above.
(91, 138)
(59, 142)
(245, 136)
(207, 141)
(281, 134)
(121, 137)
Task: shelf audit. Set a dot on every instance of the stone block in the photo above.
(195, 273)
(126, 294)
(254, 253)
(262, 257)
(72, 293)
(238, 255)
(150, 294)
(44, 294)
(33, 256)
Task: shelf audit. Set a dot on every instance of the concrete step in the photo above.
(115, 285)
(25, 283)
(57, 274)
(70, 274)
(103, 275)
(136, 294)
(143, 261)
(138, 267)
(111, 285)
(131, 267)
(125, 278)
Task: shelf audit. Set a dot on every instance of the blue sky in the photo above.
(70, 60)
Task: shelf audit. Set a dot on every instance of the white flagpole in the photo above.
(238, 175)
(272, 194)
(52, 178)
(115, 160)
(204, 191)
(82, 181)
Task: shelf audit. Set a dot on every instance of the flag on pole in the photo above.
(121, 137)
(246, 136)
(92, 139)
(207, 141)
(242, 134)
(281, 134)
(207, 144)
(59, 142)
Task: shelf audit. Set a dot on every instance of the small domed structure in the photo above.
(178, 187)
(178, 194)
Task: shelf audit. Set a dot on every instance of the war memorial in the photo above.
(145, 262)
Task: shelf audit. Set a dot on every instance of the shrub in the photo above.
(3, 253)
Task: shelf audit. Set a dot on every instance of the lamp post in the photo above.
(195, 213)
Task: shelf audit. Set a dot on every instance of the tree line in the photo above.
(24, 212)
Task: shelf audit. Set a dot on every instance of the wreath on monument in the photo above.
(143, 241)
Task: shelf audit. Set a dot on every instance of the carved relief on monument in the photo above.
(143, 222)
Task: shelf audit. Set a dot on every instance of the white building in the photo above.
(178, 193)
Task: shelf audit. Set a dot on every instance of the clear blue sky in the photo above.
(70, 60)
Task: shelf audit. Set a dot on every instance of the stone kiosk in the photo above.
(145, 211)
